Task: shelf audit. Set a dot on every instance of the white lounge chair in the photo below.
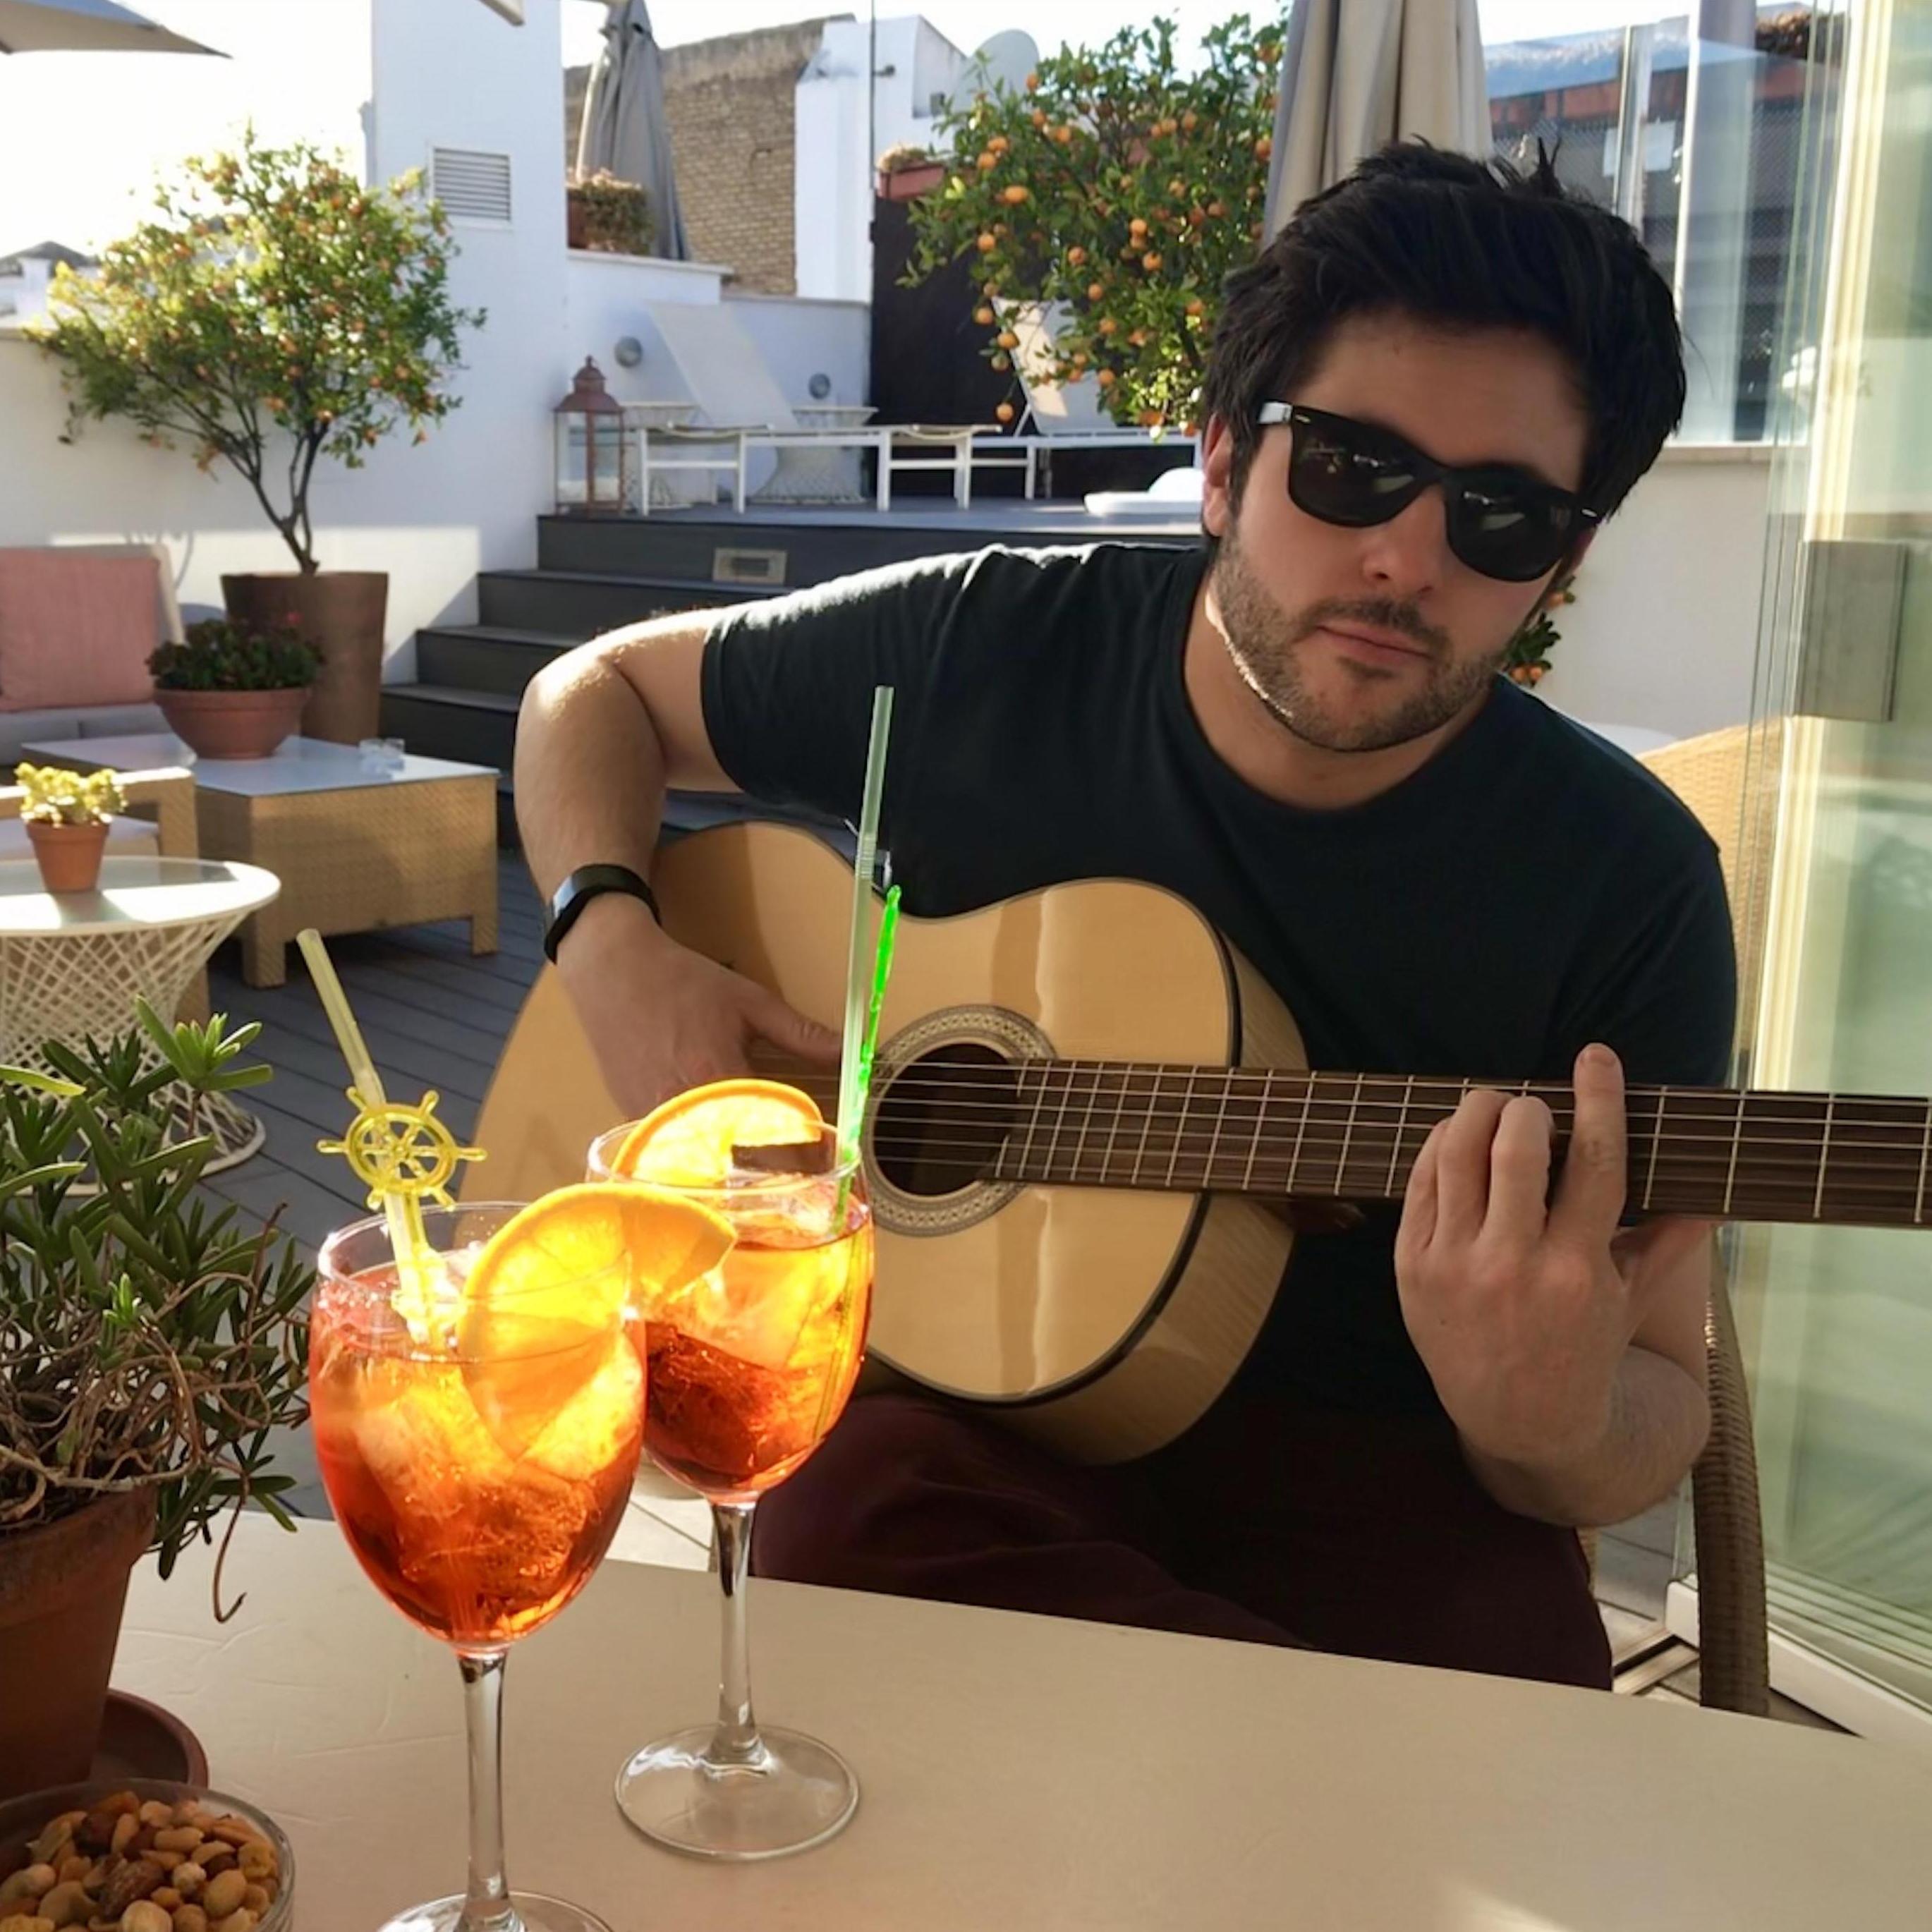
(743, 411)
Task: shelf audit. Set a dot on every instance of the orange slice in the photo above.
(543, 1302)
(687, 1142)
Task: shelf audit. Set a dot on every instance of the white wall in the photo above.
(604, 299)
(1664, 632)
(837, 151)
(444, 72)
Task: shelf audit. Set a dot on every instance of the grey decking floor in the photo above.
(435, 1017)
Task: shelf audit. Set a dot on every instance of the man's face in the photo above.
(1287, 589)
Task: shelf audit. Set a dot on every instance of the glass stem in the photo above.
(487, 1907)
(735, 1741)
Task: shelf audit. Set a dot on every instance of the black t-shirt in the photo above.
(1529, 890)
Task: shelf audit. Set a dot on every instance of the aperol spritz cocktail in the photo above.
(747, 1367)
(478, 1410)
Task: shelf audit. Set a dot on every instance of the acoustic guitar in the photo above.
(1087, 1111)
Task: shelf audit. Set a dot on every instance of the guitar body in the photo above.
(1103, 1321)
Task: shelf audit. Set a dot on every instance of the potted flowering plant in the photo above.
(151, 1341)
(233, 688)
(66, 815)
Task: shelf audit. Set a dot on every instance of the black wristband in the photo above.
(583, 886)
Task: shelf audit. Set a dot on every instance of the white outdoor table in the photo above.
(1020, 1774)
(72, 964)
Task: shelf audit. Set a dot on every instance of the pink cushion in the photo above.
(75, 629)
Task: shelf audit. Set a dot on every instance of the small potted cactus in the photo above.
(66, 815)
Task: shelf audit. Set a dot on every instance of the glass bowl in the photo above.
(22, 1818)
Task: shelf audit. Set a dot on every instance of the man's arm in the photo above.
(1569, 1356)
(603, 731)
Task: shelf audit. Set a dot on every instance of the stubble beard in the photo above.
(1265, 645)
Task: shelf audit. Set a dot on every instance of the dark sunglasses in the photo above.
(1502, 522)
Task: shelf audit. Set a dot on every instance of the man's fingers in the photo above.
(1418, 1202)
(1520, 1171)
(787, 1028)
(1463, 1167)
(1590, 1194)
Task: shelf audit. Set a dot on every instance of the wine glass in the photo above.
(478, 1468)
(747, 1367)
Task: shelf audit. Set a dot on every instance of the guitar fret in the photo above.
(1146, 1122)
(1401, 1124)
(1086, 1123)
(1924, 1155)
(1214, 1139)
(1737, 1141)
(1656, 1143)
(1180, 1125)
(1066, 1071)
(1120, 1108)
(1348, 1134)
(1025, 1160)
(1824, 1159)
(1260, 1117)
(1295, 1157)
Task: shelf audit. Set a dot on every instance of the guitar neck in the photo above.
(1712, 1152)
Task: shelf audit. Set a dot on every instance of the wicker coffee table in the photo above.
(357, 846)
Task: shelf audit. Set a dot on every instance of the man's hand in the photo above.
(660, 1017)
(1524, 1309)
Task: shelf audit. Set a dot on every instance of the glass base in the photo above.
(799, 1794)
(535, 1911)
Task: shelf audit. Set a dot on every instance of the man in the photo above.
(1422, 400)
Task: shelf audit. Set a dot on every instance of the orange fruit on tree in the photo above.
(1032, 83)
(1080, 358)
(1190, 120)
(1002, 363)
(1107, 325)
(983, 315)
(1150, 419)
(1177, 187)
(1106, 378)
(1014, 194)
(1095, 290)
(1150, 261)
(1265, 147)
(1137, 227)
(1217, 209)
(1039, 117)
(987, 243)
(1004, 412)
(1196, 306)
(688, 1140)
(1076, 256)
(1196, 218)
(999, 144)
(989, 160)
(1007, 339)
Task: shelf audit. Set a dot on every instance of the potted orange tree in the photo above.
(150, 1341)
(67, 816)
(232, 690)
(1124, 190)
(273, 311)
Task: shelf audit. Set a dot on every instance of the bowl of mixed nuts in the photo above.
(142, 1855)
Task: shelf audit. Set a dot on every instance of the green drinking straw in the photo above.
(854, 1065)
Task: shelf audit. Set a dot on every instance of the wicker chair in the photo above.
(160, 821)
(1711, 774)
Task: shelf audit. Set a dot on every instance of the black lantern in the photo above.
(593, 457)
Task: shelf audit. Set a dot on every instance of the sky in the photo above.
(968, 23)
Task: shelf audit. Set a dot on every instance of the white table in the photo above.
(358, 845)
(1022, 1774)
(72, 964)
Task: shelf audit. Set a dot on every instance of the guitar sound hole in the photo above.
(944, 1118)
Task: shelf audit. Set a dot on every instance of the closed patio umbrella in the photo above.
(624, 131)
(1357, 73)
(84, 26)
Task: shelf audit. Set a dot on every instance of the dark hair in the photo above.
(1461, 243)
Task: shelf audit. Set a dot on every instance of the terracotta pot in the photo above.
(69, 855)
(341, 612)
(909, 183)
(233, 724)
(62, 1589)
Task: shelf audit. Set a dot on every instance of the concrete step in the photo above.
(583, 603)
(485, 657)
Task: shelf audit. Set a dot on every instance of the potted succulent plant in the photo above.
(907, 171)
(274, 309)
(607, 216)
(150, 1342)
(235, 689)
(66, 815)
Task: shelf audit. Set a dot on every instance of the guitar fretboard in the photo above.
(1747, 1155)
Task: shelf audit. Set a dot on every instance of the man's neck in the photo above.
(1254, 744)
